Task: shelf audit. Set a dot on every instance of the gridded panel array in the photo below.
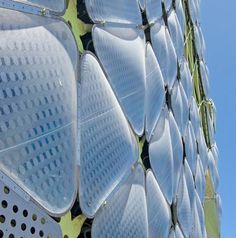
(123, 11)
(125, 214)
(21, 218)
(108, 149)
(38, 107)
(56, 6)
(124, 63)
(157, 91)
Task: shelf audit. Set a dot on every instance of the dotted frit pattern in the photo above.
(38, 108)
(184, 211)
(155, 91)
(57, 6)
(176, 34)
(153, 10)
(159, 215)
(166, 154)
(190, 147)
(125, 214)
(186, 80)
(123, 11)
(180, 106)
(108, 148)
(165, 52)
(123, 60)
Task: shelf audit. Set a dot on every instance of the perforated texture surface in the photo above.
(57, 6)
(155, 91)
(123, 60)
(21, 218)
(38, 107)
(108, 147)
(165, 52)
(166, 154)
(123, 11)
(125, 214)
(159, 215)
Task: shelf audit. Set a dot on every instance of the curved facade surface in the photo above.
(107, 128)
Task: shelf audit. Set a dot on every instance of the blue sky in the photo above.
(219, 27)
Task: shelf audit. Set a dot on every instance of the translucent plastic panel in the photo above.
(168, 4)
(200, 181)
(122, 54)
(155, 91)
(172, 233)
(159, 215)
(176, 34)
(213, 115)
(165, 52)
(108, 147)
(166, 154)
(203, 150)
(125, 214)
(153, 10)
(22, 218)
(180, 14)
(180, 106)
(184, 211)
(190, 184)
(197, 219)
(194, 117)
(57, 6)
(204, 77)
(38, 107)
(199, 41)
(194, 8)
(190, 147)
(201, 216)
(178, 232)
(122, 11)
(142, 4)
(210, 126)
(213, 171)
(219, 205)
(186, 79)
(215, 153)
